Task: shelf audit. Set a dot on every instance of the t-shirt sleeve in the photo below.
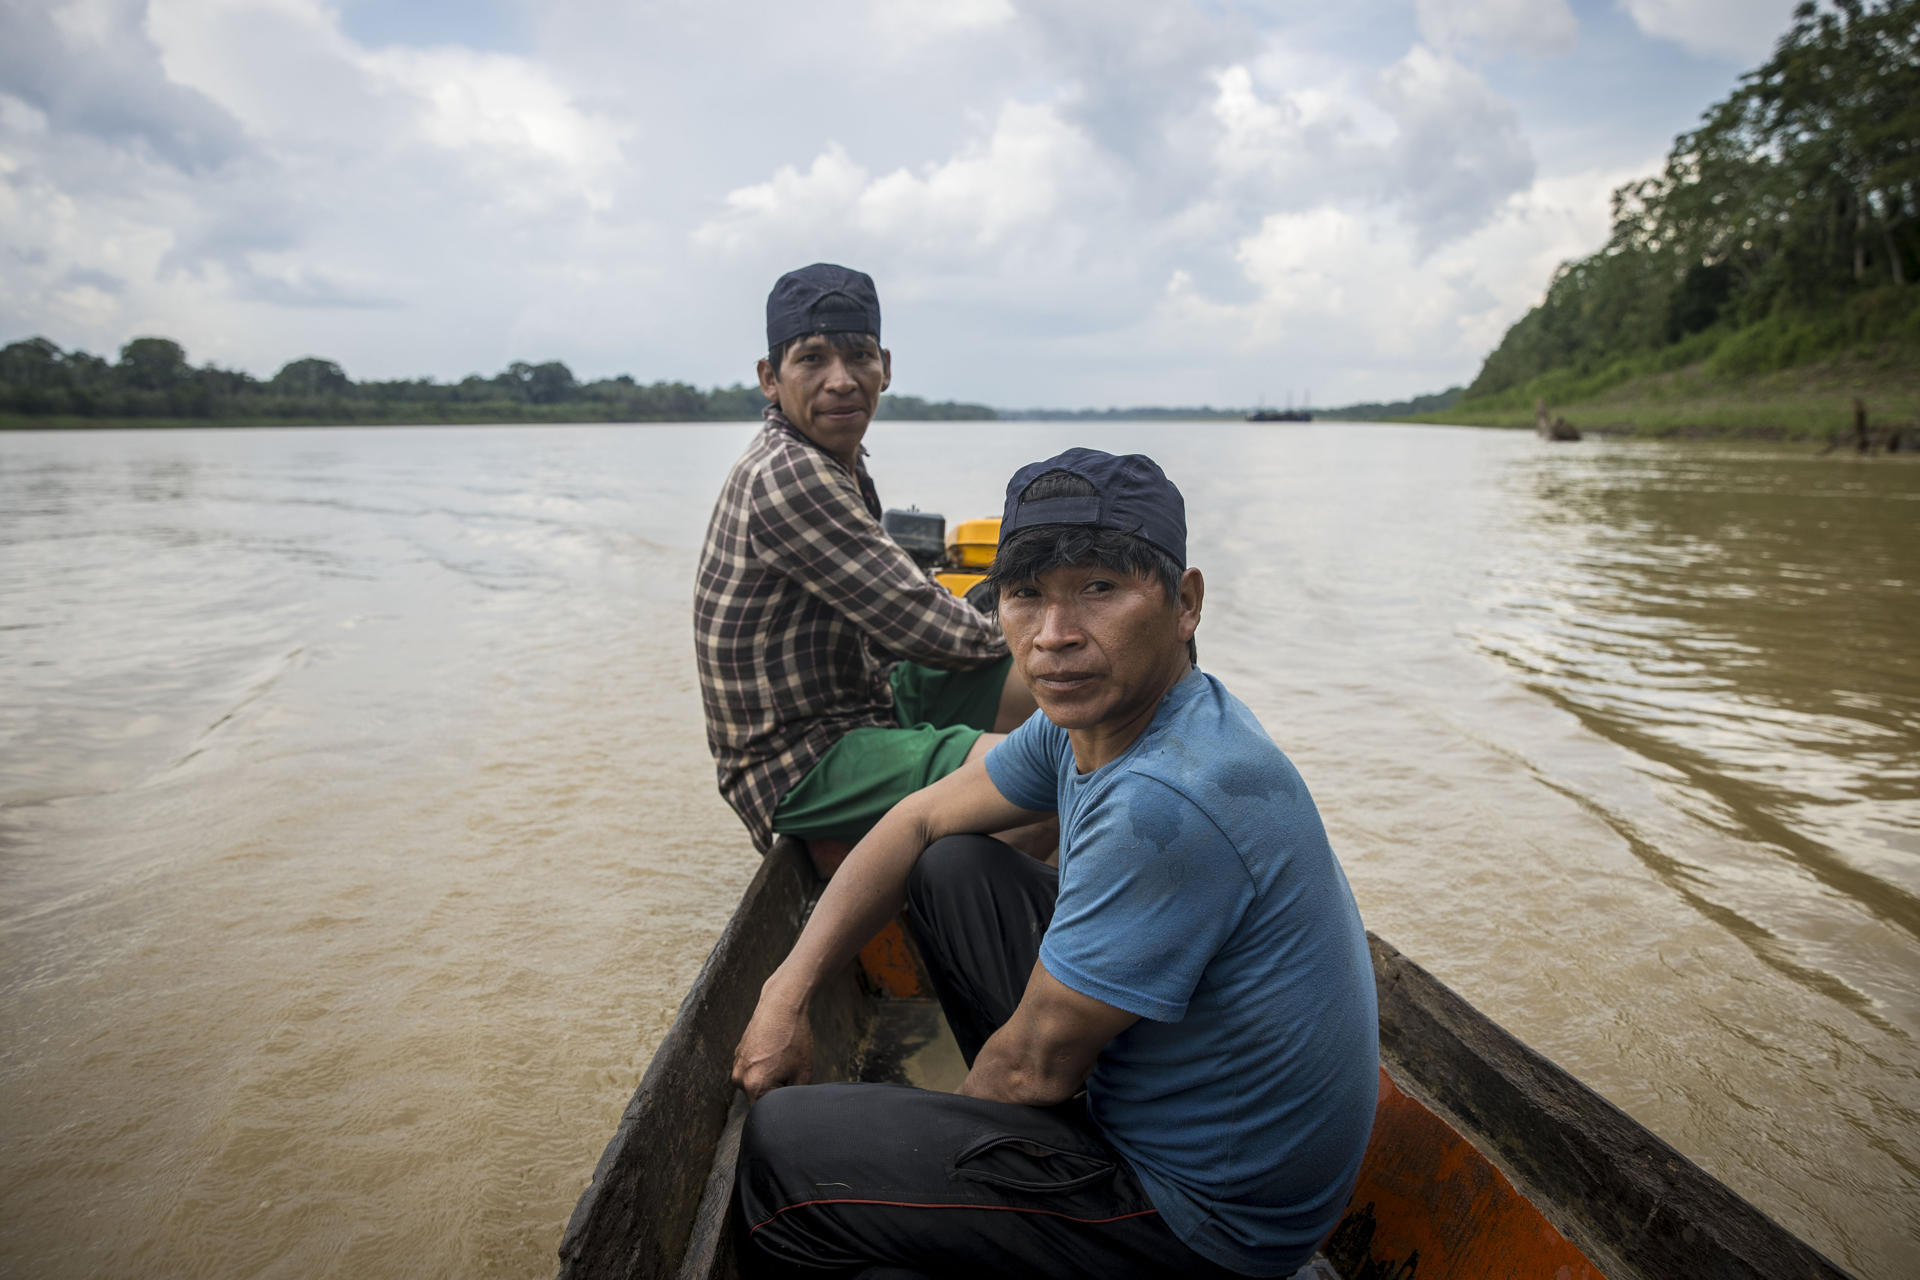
(1025, 765)
(1149, 893)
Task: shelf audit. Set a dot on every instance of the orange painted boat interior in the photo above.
(890, 965)
(1429, 1203)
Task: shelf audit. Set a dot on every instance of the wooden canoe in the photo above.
(1487, 1161)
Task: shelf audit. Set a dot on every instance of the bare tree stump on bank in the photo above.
(1551, 427)
(1867, 441)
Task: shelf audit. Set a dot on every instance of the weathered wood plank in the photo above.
(635, 1217)
(709, 1253)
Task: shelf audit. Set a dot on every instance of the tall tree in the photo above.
(152, 364)
(311, 376)
(1798, 190)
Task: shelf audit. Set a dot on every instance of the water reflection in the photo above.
(1743, 623)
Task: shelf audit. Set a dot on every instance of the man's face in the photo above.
(830, 395)
(1099, 647)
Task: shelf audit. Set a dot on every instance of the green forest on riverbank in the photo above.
(1767, 276)
(152, 385)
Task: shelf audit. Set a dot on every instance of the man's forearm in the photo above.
(1004, 1071)
(868, 890)
(1044, 1052)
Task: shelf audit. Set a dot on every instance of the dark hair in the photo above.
(1039, 548)
(840, 341)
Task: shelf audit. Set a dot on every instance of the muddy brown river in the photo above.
(358, 837)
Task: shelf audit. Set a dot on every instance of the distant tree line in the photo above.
(1138, 413)
(1786, 227)
(153, 381)
(1388, 410)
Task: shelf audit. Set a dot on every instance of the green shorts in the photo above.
(941, 714)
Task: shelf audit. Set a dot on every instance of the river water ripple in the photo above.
(358, 839)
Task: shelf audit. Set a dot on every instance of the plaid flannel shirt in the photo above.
(801, 607)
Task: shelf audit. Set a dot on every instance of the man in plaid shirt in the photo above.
(837, 677)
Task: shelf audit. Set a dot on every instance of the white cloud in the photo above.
(904, 24)
(1342, 296)
(1303, 262)
(983, 199)
(1132, 73)
(1425, 135)
(1288, 134)
(791, 204)
(505, 113)
(89, 68)
(285, 68)
(1460, 150)
(281, 68)
(1537, 27)
(1740, 31)
(1031, 167)
(1256, 136)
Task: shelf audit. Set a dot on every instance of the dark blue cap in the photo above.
(822, 298)
(1131, 495)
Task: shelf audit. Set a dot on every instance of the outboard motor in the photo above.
(921, 534)
(960, 564)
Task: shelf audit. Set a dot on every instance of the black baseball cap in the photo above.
(1131, 495)
(822, 298)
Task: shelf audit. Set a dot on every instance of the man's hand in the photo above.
(776, 1049)
(867, 891)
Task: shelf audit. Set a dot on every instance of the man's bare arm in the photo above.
(867, 891)
(1044, 1052)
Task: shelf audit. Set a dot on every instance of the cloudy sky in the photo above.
(1064, 202)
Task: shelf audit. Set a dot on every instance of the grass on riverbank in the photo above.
(1807, 402)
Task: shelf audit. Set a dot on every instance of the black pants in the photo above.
(883, 1180)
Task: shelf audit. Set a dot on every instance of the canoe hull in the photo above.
(1487, 1160)
(639, 1211)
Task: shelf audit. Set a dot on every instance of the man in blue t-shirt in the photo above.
(1172, 1040)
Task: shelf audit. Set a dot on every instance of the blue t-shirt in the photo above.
(1198, 890)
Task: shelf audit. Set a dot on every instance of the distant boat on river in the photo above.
(1288, 414)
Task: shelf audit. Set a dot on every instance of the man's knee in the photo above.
(788, 1134)
(765, 1176)
(949, 863)
(781, 1124)
(806, 1124)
